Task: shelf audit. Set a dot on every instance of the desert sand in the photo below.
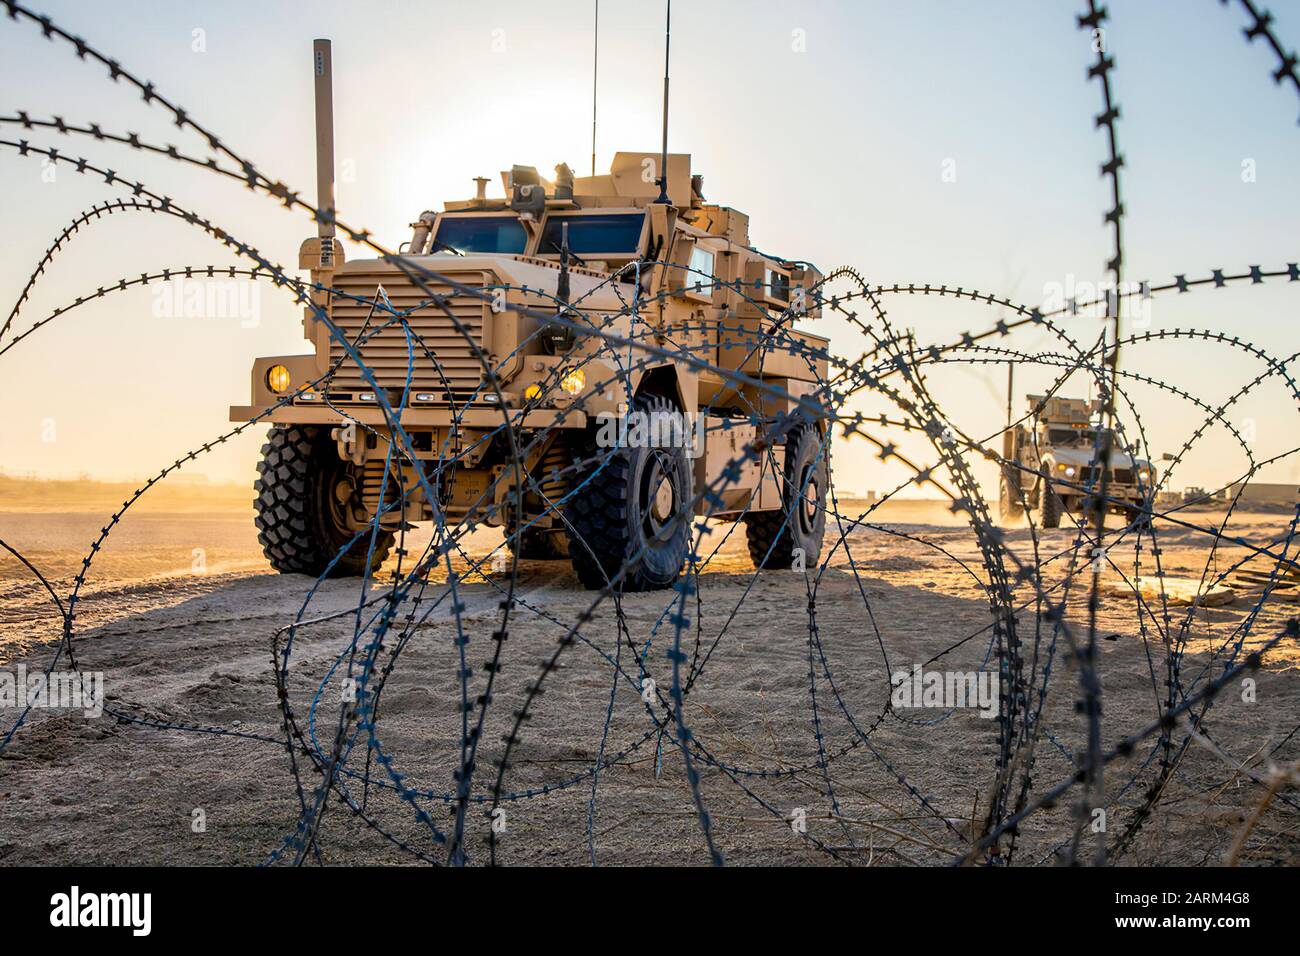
(179, 610)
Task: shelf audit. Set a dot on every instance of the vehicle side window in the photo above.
(778, 284)
(700, 269)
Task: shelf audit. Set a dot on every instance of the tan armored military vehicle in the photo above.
(1059, 468)
(580, 249)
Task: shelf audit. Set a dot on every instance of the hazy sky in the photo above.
(830, 123)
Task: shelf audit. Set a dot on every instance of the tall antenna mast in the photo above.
(595, 53)
(323, 69)
(663, 159)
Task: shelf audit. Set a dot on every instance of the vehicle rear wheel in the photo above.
(776, 538)
(538, 544)
(626, 509)
(303, 492)
(1011, 503)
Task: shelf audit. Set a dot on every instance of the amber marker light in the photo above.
(277, 379)
(574, 382)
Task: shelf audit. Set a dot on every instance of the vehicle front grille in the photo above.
(440, 356)
(1092, 474)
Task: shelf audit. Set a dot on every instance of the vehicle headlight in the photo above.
(533, 392)
(1069, 472)
(574, 382)
(277, 379)
(1144, 474)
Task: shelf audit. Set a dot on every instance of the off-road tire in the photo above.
(299, 530)
(537, 544)
(1011, 498)
(1139, 518)
(1051, 508)
(608, 519)
(774, 537)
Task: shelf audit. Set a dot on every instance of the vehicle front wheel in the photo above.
(304, 493)
(1139, 517)
(631, 512)
(1051, 507)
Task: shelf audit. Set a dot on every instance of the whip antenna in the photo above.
(663, 160)
(324, 80)
(595, 53)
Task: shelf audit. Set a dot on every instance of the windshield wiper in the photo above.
(435, 244)
(572, 255)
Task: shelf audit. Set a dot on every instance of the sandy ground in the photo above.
(179, 611)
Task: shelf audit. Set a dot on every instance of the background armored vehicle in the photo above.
(512, 305)
(1058, 454)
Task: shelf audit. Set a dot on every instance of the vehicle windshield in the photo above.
(1082, 437)
(613, 234)
(500, 234)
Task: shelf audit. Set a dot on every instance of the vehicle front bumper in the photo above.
(1119, 494)
(413, 417)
